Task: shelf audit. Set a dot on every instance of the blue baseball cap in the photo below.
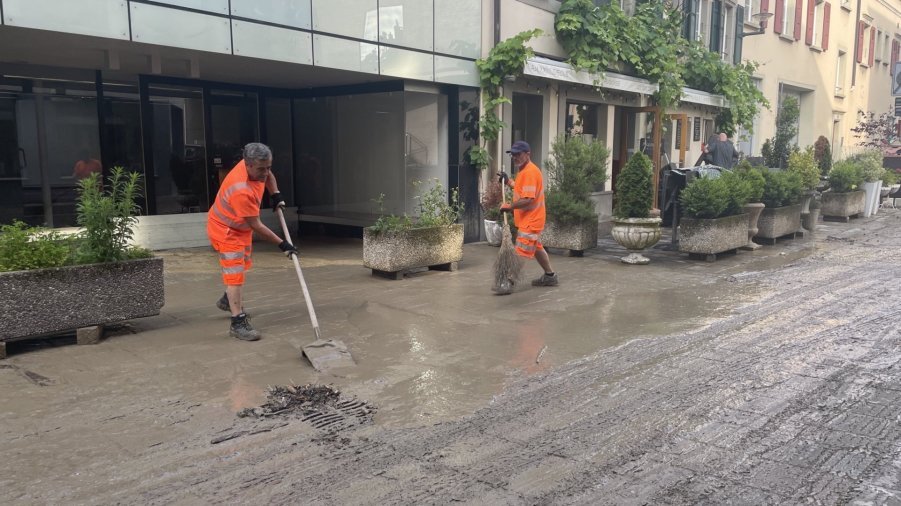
(519, 147)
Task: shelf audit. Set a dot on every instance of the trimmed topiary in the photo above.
(634, 188)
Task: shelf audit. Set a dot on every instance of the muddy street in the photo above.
(767, 377)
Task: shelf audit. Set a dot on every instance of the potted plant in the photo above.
(491, 212)
(843, 199)
(805, 165)
(81, 282)
(782, 193)
(633, 226)
(713, 219)
(574, 169)
(396, 244)
(870, 164)
(756, 182)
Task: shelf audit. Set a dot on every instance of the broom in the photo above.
(507, 266)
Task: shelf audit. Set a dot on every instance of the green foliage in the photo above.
(23, 248)
(108, 216)
(870, 164)
(805, 165)
(753, 177)
(708, 198)
(786, 129)
(634, 188)
(782, 188)
(506, 59)
(823, 155)
(845, 177)
(491, 200)
(649, 44)
(889, 177)
(575, 169)
(436, 209)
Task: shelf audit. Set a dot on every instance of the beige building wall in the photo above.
(831, 84)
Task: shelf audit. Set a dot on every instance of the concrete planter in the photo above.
(46, 301)
(871, 204)
(809, 219)
(636, 234)
(573, 237)
(753, 211)
(842, 206)
(778, 222)
(709, 237)
(390, 254)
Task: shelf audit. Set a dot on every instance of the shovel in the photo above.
(322, 354)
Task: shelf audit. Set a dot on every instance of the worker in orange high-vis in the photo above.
(233, 218)
(528, 210)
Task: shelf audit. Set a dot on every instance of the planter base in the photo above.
(772, 241)
(751, 246)
(84, 335)
(635, 259)
(841, 219)
(712, 257)
(448, 267)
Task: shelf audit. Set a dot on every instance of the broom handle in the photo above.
(303, 284)
(504, 199)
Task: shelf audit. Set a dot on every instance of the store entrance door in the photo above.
(234, 121)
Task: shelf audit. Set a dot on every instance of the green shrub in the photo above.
(754, 177)
(709, 198)
(782, 188)
(436, 209)
(889, 177)
(108, 216)
(776, 153)
(844, 177)
(870, 164)
(805, 165)
(23, 248)
(822, 153)
(634, 188)
(575, 169)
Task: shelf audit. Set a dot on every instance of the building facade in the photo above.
(358, 99)
(834, 56)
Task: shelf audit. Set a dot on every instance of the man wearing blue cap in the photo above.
(528, 210)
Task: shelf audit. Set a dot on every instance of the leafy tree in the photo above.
(876, 131)
(575, 169)
(786, 129)
(822, 153)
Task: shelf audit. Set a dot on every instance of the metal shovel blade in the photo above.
(330, 354)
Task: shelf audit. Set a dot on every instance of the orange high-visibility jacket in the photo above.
(529, 184)
(238, 198)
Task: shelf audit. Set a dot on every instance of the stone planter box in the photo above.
(392, 254)
(709, 237)
(47, 301)
(778, 222)
(842, 206)
(576, 237)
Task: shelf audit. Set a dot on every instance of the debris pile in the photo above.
(305, 400)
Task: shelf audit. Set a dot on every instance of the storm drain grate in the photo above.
(321, 406)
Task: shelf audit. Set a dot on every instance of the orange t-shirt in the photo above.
(529, 184)
(237, 199)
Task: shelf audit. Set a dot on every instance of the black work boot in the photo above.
(222, 303)
(242, 330)
(546, 280)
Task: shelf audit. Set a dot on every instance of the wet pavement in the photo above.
(647, 382)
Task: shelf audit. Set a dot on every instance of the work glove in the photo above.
(276, 201)
(288, 248)
(506, 208)
(502, 178)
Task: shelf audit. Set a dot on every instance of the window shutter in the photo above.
(872, 45)
(716, 26)
(778, 18)
(896, 46)
(688, 24)
(799, 13)
(811, 9)
(861, 27)
(739, 28)
(764, 7)
(826, 8)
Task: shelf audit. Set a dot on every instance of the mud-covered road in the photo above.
(794, 398)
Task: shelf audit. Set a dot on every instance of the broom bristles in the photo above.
(508, 265)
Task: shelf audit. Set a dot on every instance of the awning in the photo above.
(561, 71)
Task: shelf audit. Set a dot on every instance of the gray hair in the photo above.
(257, 152)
